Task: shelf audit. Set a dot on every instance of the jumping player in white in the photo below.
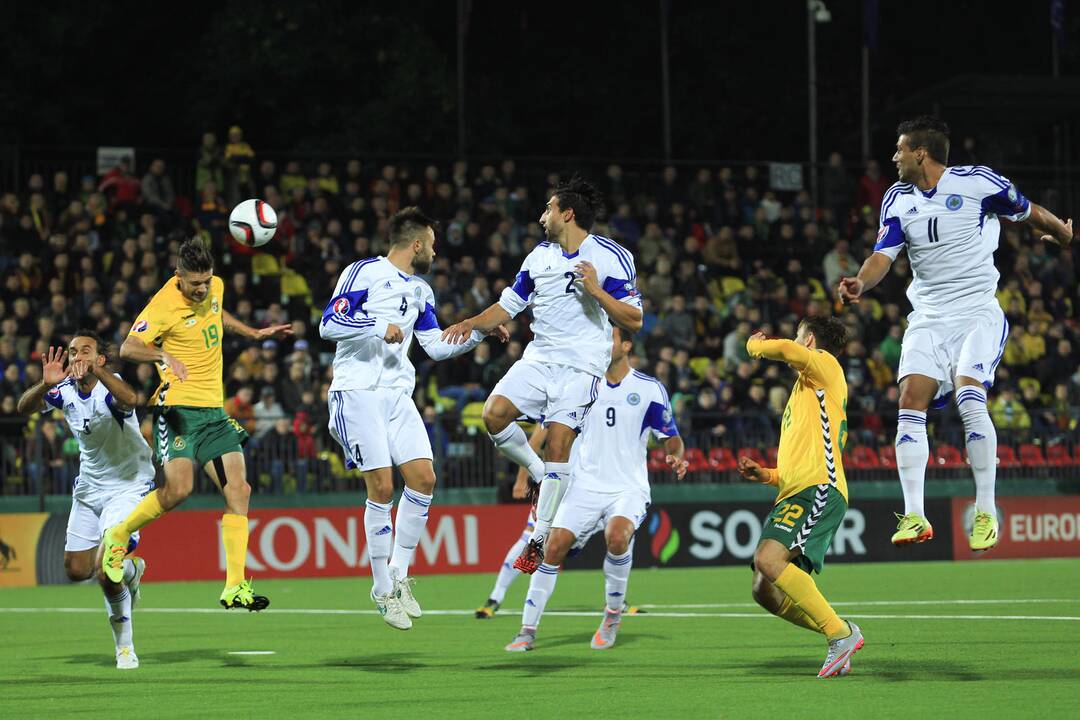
(578, 285)
(610, 488)
(947, 218)
(377, 307)
(115, 469)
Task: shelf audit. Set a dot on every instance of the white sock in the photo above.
(541, 585)
(616, 577)
(119, 609)
(507, 573)
(412, 515)
(514, 444)
(912, 454)
(129, 570)
(981, 444)
(379, 529)
(552, 489)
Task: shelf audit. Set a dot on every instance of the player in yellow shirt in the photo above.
(811, 497)
(180, 331)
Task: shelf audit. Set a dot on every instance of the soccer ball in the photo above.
(253, 223)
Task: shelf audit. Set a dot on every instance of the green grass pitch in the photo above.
(986, 640)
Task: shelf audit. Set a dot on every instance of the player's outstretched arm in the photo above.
(873, 270)
(628, 317)
(438, 349)
(135, 350)
(797, 356)
(1050, 226)
(674, 449)
(484, 323)
(52, 372)
(274, 332)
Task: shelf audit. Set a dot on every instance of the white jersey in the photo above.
(113, 454)
(569, 326)
(612, 451)
(951, 233)
(370, 295)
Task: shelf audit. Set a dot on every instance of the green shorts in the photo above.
(199, 433)
(807, 521)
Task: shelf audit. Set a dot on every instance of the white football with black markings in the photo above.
(253, 222)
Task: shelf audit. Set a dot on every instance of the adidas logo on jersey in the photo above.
(905, 439)
(975, 436)
(572, 414)
(979, 367)
(387, 284)
(912, 211)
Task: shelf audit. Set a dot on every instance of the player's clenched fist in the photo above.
(750, 470)
(393, 334)
(850, 290)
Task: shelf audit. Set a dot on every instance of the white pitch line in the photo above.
(860, 603)
(563, 613)
(253, 652)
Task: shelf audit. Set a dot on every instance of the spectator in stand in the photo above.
(240, 408)
(838, 190)
(120, 187)
(267, 412)
(238, 164)
(872, 187)
(158, 194)
(1008, 412)
(210, 166)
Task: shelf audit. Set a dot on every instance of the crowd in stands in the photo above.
(719, 254)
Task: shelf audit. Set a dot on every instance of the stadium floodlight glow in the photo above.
(820, 12)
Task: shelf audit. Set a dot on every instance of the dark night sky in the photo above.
(569, 79)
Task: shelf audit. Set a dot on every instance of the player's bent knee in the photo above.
(77, 568)
(498, 414)
(557, 546)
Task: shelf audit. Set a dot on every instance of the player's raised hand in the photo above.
(500, 333)
(274, 332)
(850, 290)
(678, 465)
(586, 277)
(178, 368)
(393, 335)
(751, 470)
(79, 369)
(52, 366)
(458, 333)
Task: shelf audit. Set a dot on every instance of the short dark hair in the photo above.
(582, 197)
(102, 344)
(929, 132)
(406, 222)
(624, 334)
(830, 334)
(194, 256)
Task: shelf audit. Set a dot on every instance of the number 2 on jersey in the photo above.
(570, 278)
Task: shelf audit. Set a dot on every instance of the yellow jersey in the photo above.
(813, 431)
(192, 333)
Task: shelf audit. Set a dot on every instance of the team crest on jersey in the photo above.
(54, 393)
(214, 306)
(633, 398)
(1012, 193)
(417, 293)
(190, 322)
(140, 326)
(178, 443)
(954, 202)
(341, 306)
(667, 416)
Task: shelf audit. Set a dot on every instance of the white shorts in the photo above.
(377, 428)
(556, 393)
(94, 513)
(584, 512)
(942, 350)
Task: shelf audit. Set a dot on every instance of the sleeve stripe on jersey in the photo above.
(650, 378)
(992, 177)
(890, 196)
(625, 259)
(349, 322)
(984, 172)
(356, 271)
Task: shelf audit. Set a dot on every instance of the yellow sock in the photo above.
(234, 536)
(148, 510)
(802, 590)
(791, 612)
